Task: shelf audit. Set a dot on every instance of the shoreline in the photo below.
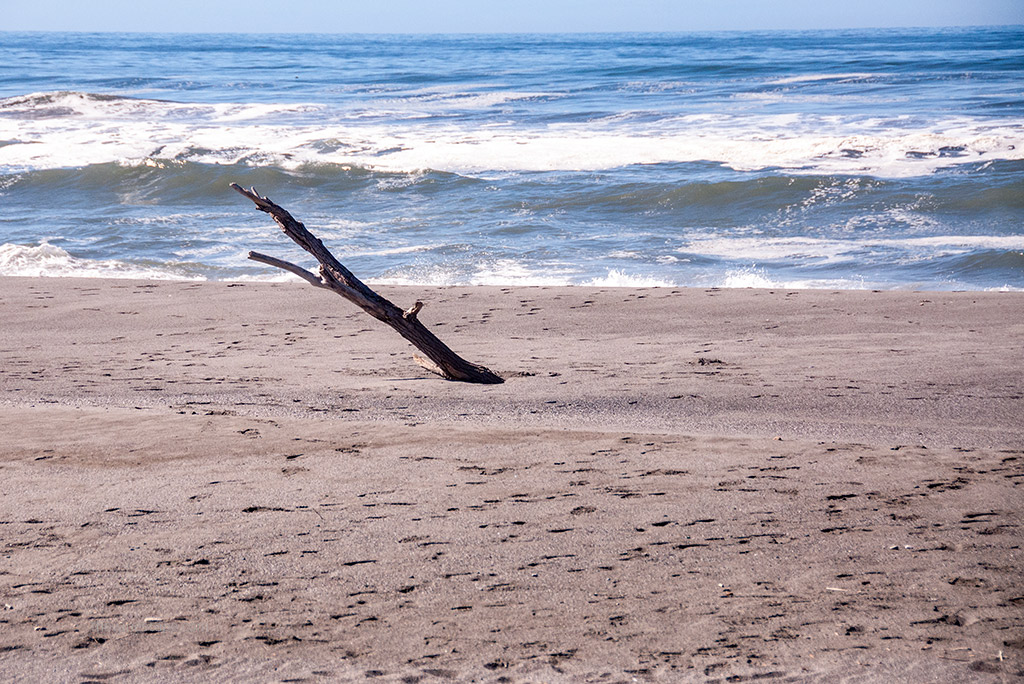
(255, 481)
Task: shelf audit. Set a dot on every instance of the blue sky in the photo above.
(465, 16)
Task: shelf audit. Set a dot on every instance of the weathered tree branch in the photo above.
(333, 276)
(288, 266)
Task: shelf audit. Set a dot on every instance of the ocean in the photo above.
(880, 159)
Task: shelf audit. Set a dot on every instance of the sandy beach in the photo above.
(254, 482)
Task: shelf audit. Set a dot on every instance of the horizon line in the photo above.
(520, 33)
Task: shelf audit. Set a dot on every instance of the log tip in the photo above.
(252, 194)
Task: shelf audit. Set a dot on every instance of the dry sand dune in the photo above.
(226, 482)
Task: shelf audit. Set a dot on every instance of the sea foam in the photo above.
(71, 129)
(46, 260)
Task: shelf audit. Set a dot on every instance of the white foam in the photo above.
(46, 260)
(386, 251)
(768, 249)
(444, 98)
(498, 272)
(60, 130)
(617, 278)
(753, 277)
(435, 275)
(746, 278)
(275, 277)
(511, 272)
(961, 242)
(823, 250)
(810, 78)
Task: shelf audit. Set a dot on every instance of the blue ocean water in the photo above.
(860, 159)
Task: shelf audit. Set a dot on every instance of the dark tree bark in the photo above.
(333, 276)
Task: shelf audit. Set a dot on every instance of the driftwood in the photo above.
(333, 276)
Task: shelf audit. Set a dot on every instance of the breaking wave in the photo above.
(73, 130)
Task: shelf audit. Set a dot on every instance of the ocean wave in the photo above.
(49, 261)
(617, 278)
(434, 99)
(799, 249)
(515, 273)
(755, 278)
(840, 77)
(69, 129)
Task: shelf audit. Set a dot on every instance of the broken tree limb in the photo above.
(288, 266)
(437, 357)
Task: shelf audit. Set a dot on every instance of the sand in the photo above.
(254, 482)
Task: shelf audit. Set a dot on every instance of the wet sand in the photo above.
(254, 482)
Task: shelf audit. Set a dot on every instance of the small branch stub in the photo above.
(437, 357)
(412, 310)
